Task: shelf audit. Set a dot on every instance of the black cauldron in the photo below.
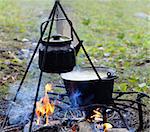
(60, 56)
(84, 87)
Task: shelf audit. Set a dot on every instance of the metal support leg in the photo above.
(25, 74)
(41, 73)
(140, 117)
(35, 100)
(140, 112)
(104, 116)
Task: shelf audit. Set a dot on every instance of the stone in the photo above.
(142, 15)
(85, 127)
(25, 40)
(117, 130)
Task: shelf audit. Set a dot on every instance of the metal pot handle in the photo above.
(71, 30)
(41, 27)
(110, 76)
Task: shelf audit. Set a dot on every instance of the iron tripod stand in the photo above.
(51, 19)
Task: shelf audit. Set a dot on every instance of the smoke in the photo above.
(76, 98)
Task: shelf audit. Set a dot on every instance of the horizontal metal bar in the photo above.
(126, 106)
(125, 92)
(59, 86)
(67, 103)
(53, 93)
(126, 100)
(140, 93)
(57, 19)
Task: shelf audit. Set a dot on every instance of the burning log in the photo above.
(53, 126)
(13, 128)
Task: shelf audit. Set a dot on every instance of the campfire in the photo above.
(45, 107)
(89, 102)
(95, 117)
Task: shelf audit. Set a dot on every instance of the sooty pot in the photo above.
(60, 57)
(84, 87)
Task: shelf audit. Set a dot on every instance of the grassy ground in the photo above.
(113, 34)
(18, 20)
(22, 18)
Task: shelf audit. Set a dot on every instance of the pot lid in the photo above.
(87, 74)
(59, 38)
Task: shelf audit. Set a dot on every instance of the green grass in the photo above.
(18, 19)
(22, 18)
(112, 28)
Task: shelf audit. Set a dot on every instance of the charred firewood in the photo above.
(13, 128)
(49, 128)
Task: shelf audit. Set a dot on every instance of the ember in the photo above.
(107, 126)
(44, 107)
(97, 116)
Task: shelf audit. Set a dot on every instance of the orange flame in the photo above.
(44, 107)
(48, 88)
(107, 126)
(97, 116)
